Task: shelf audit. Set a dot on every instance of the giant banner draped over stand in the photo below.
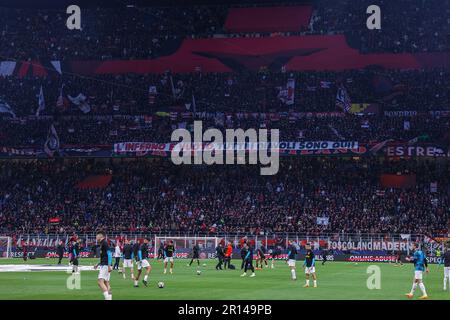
(299, 53)
(302, 148)
(312, 52)
(283, 147)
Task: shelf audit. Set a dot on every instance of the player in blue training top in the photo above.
(143, 263)
(248, 260)
(420, 265)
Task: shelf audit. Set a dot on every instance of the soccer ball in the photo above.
(199, 272)
(160, 284)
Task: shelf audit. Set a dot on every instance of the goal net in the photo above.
(184, 245)
(5, 247)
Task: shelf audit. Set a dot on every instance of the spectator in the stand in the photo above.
(155, 196)
(106, 33)
(421, 28)
(148, 32)
(245, 92)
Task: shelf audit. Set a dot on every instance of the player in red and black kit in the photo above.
(24, 251)
(60, 251)
(160, 251)
(195, 255)
(220, 256)
(169, 253)
(261, 251)
(398, 258)
(324, 255)
(136, 246)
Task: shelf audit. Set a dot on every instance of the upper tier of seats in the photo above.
(144, 33)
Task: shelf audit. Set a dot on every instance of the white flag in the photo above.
(287, 94)
(7, 68)
(5, 108)
(80, 102)
(322, 221)
(41, 102)
(406, 125)
(343, 99)
(193, 103)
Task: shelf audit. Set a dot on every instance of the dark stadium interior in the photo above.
(177, 149)
(397, 79)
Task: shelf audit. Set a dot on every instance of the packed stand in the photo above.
(156, 196)
(231, 92)
(107, 130)
(406, 25)
(120, 33)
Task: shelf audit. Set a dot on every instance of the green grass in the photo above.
(336, 280)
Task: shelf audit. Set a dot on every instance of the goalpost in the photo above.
(187, 243)
(5, 247)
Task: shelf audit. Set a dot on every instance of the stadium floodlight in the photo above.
(5, 247)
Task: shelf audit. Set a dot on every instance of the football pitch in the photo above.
(336, 281)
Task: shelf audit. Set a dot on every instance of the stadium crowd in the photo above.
(230, 92)
(149, 32)
(121, 108)
(423, 29)
(154, 195)
(107, 130)
(130, 33)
